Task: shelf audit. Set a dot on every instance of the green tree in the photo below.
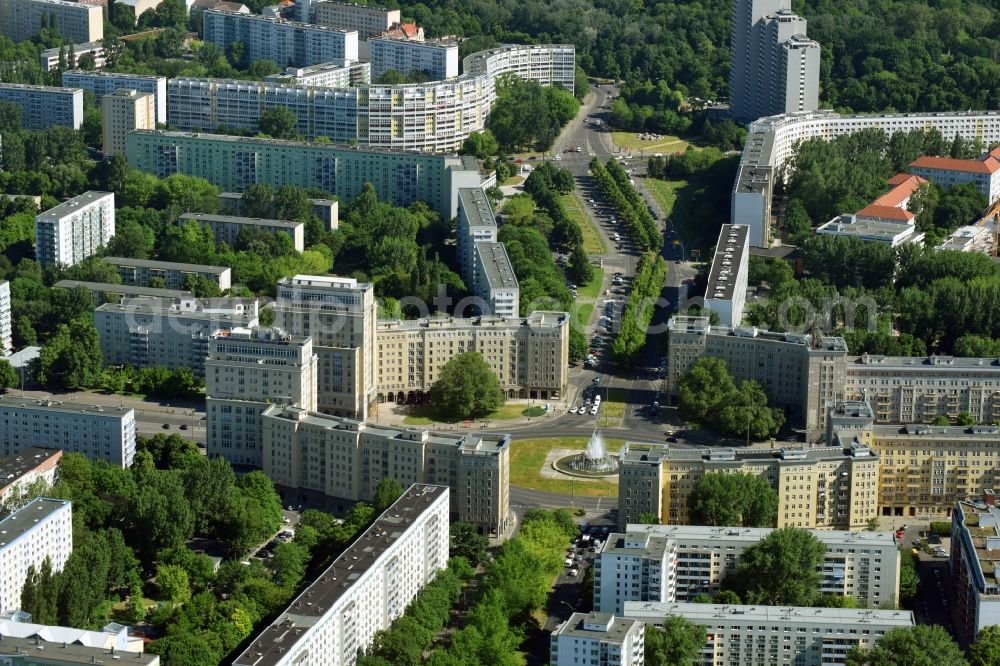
(922, 645)
(678, 643)
(986, 650)
(746, 410)
(466, 388)
(467, 542)
(72, 358)
(480, 144)
(872, 525)
(738, 499)
(135, 607)
(703, 390)
(172, 583)
(577, 344)
(781, 570)
(279, 122)
(388, 491)
(648, 519)
(909, 579)
(580, 270)
(8, 376)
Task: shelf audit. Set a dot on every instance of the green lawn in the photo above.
(422, 415)
(593, 242)
(592, 288)
(666, 144)
(664, 191)
(528, 455)
(581, 314)
(613, 406)
(513, 180)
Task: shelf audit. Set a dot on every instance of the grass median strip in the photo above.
(593, 242)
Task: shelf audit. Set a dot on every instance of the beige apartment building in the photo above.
(22, 19)
(801, 373)
(904, 389)
(529, 355)
(925, 469)
(317, 456)
(831, 488)
(246, 371)
(125, 111)
(339, 315)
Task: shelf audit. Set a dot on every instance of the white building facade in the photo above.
(438, 60)
(22, 19)
(75, 229)
(98, 432)
(169, 333)
(726, 293)
(45, 106)
(771, 142)
(6, 323)
(587, 639)
(664, 563)
(765, 635)
(287, 43)
(364, 590)
(42, 529)
(105, 83)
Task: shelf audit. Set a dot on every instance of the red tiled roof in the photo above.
(905, 186)
(989, 165)
(886, 213)
(410, 29)
(995, 152)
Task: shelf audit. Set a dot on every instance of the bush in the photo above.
(941, 528)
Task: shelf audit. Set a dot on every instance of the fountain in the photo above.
(595, 461)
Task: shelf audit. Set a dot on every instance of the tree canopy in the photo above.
(466, 388)
(921, 645)
(737, 500)
(781, 570)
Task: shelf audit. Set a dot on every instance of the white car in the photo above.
(572, 410)
(597, 400)
(574, 572)
(593, 410)
(558, 158)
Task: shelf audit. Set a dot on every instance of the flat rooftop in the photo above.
(919, 431)
(111, 75)
(124, 289)
(237, 219)
(924, 363)
(272, 645)
(596, 626)
(75, 204)
(729, 255)
(652, 545)
(16, 466)
(44, 89)
(476, 443)
(476, 206)
(251, 140)
(496, 265)
(824, 342)
(59, 653)
(77, 48)
(870, 229)
(649, 611)
(722, 456)
(162, 308)
(751, 535)
(285, 22)
(24, 519)
(165, 265)
(61, 406)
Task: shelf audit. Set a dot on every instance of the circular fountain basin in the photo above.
(579, 465)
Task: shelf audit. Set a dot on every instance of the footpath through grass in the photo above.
(527, 457)
(593, 242)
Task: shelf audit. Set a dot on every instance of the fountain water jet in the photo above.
(596, 458)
